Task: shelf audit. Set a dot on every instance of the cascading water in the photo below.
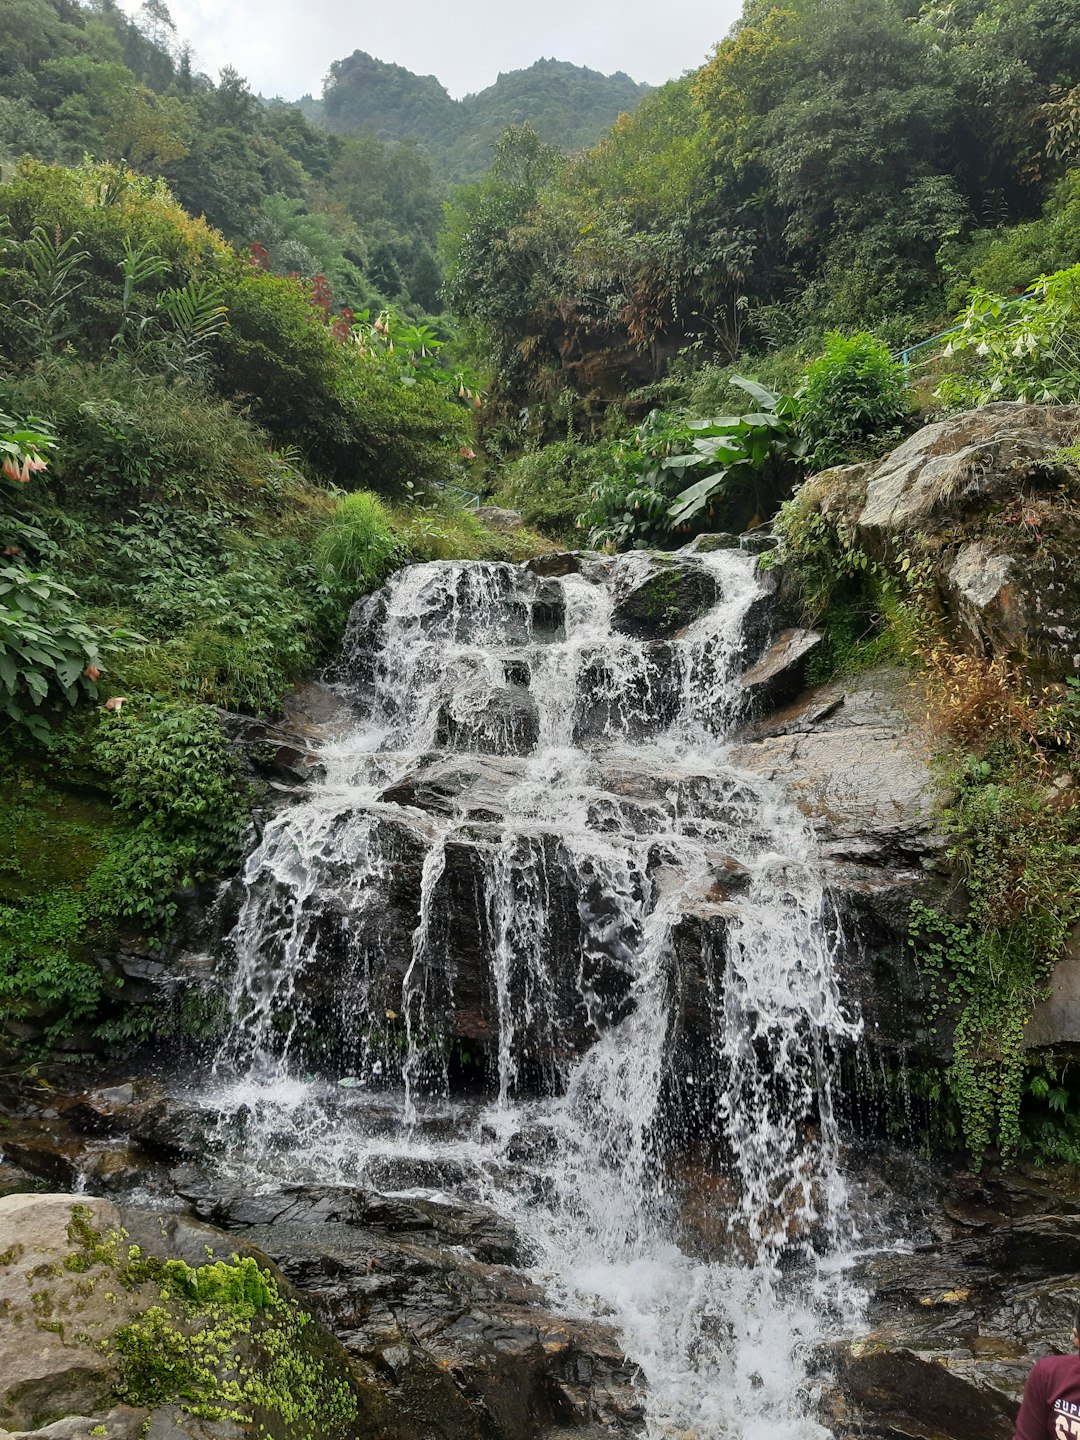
(532, 846)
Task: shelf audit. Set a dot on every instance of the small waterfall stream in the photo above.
(532, 858)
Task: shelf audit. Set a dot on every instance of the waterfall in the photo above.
(532, 848)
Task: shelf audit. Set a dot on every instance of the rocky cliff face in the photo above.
(990, 503)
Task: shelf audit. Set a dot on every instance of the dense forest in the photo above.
(836, 163)
(84, 79)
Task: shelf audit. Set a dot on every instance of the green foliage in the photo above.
(645, 501)
(47, 649)
(440, 529)
(1050, 1124)
(989, 990)
(313, 390)
(173, 776)
(852, 400)
(1019, 857)
(550, 485)
(823, 170)
(221, 1342)
(47, 652)
(411, 352)
(1007, 259)
(53, 265)
(1025, 349)
(357, 550)
(48, 849)
(41, 972)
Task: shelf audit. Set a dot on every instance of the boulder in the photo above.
(657, 595)
(709, 544)
(778, 675)
(76, 1270)
(54, 1323)
(498, 519)
(489, 721)
(965, 463)
(467, 786)
(557, 564)
(985, 499)
(906, 1397)
(1017, 595)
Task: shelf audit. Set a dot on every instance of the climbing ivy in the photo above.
(1015, 845)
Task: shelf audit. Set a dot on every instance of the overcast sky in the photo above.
(284, 47)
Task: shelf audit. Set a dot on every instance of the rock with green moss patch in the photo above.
(657, 595)
(101, 1331)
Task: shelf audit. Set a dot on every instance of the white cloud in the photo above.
(285, 48)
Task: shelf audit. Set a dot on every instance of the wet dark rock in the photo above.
(460, 785)
(779, 674)
(287, 750)
(956, 1325)
(422, 1294)
(558, 563)
(173, 1129)
(898, 1394)
(656, 595)
(474, 1228)
(51, 1160)
(709, 544)
(508, 723)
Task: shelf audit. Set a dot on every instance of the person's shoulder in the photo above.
(1057, 1366)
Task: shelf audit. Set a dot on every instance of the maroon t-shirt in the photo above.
(1051, 1406)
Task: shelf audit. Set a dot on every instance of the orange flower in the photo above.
(92, 673)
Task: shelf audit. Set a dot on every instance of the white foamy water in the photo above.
(535, 826)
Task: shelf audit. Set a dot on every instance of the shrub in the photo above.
(747, 459)
(440, 529)
(127, 438)
(358, 549)
(173, 777)
(39, 971)
(1025, 349)
(550, 485)
(1007, 261)
(352, 414)
(853, 400)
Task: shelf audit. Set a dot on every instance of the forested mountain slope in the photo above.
(567, 105)
(79, 79)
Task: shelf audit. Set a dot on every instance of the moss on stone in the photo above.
(222, 1342)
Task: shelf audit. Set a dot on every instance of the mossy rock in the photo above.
(657, 595)
(98, 1327)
